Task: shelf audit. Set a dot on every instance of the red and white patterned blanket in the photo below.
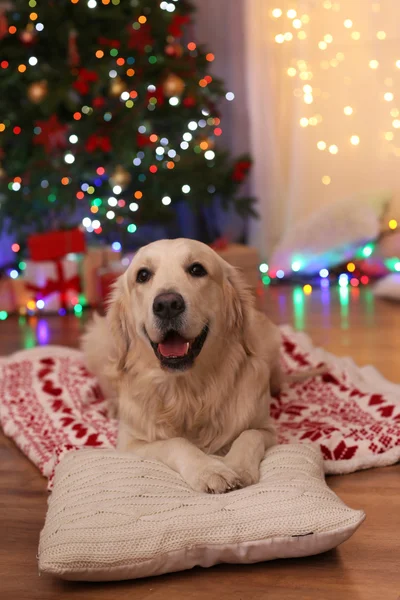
(50, 404)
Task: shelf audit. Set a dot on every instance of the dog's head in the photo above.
(181, 299)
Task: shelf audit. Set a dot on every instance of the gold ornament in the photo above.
(174, 49)
(117, 86)
(178, 50)
(28, 35)
(2, 172)
(207, 142)
(37, 91)
(173, 86)
(120, 177)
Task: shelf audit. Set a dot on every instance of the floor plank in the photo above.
(366, 567)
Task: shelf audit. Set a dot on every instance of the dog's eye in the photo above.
(143, 276)
(197, 270)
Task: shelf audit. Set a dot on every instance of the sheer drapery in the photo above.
(324, 101)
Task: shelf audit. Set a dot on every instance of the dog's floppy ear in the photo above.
(118, 317)
(240, 307)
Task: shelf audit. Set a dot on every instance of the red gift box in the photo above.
(56, 244)
(7, 299)
(56, 282)
(107, 277)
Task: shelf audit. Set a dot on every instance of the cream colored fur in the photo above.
(210, 423)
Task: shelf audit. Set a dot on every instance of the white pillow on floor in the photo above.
(330, 235)
(114, 516)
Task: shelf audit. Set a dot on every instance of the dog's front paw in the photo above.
(247, 475)
(214, 478)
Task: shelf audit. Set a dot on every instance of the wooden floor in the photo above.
(366, 567)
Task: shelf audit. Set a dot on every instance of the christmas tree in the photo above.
(108, 118)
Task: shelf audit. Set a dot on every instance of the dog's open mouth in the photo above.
(176, 352)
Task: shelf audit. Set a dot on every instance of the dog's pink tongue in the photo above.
(173, 346)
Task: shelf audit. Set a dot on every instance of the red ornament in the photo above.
(84, 79)
(3, 24)
(73, 54)
(27, 37)
(103, 41)
(174, 50)
(139, 38)
(98, 102)
(158, 95)
(240, 170)
(52, 135)
(189, 101)
(176, 26)
(143, 140)
(98, 142)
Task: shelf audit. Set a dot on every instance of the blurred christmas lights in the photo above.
(298, 22)
(303, 69)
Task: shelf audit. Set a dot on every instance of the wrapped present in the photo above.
(95, 260)
(21, 297)
(111, 254)
(7, 296)
(107, 277)
(244, 258)
(17, 294)
(55, 282)
(56, 244)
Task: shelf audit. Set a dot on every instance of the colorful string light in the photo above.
(196, 138)
(325, 275)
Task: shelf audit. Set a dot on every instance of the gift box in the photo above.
(7, 296)
(20, 296)
(56, 244)
(94, 262)
(60, 284)
(107, 277)
(56, 283)
(244, 258)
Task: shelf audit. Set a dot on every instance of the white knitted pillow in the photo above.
(114, 516)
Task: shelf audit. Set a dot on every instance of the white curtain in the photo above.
(220, 25)
(324, 105)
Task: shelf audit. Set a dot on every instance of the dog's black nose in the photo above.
(168, 306)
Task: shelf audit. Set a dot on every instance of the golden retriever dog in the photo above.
(190, 364)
